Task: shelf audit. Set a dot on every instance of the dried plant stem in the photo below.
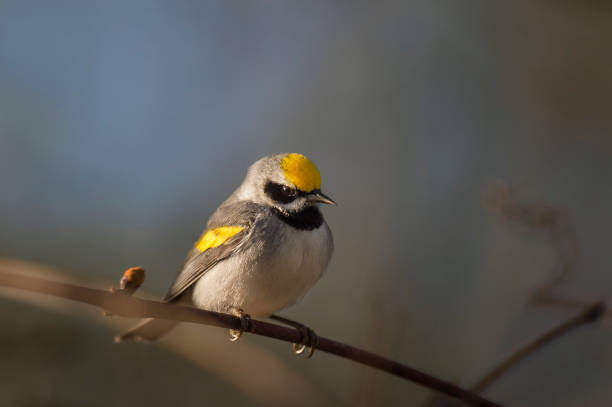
(124, 305)
(553, 299)
(590, 313)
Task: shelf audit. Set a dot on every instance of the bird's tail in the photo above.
(148, 330)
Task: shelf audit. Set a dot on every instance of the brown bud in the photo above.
(132, 279)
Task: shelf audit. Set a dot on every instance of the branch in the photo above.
(591, 313)
(240, 366)
(124, 305)
(501, 199)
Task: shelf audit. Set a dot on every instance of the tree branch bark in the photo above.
(124, 305)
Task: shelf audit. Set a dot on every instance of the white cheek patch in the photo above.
(293, 206)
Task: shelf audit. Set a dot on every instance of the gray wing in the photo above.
(241, 213)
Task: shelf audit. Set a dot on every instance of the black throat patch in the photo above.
(308, 218)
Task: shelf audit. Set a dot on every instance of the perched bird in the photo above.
(261, 251)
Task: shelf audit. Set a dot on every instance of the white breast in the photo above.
(265, 278)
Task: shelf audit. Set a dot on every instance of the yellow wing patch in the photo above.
(302, 172)
(216, 237)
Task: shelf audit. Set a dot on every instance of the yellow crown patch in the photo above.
(301, 172)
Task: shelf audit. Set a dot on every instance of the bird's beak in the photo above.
(318, 196)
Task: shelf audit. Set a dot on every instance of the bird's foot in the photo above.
(245, 324)
(309, 338)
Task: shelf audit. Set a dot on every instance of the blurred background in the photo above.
(124, 124)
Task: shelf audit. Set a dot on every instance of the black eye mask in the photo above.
(281, 193)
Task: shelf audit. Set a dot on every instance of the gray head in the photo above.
(289, 182)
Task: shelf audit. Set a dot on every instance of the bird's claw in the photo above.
(245, 324)
(309, 339)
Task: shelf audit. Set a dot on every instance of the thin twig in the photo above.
(591, 313)
(127, 306)
(501, 199)
(553, 299)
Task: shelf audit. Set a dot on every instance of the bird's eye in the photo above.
(280, 193)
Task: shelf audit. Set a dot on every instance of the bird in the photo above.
(262, 249)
